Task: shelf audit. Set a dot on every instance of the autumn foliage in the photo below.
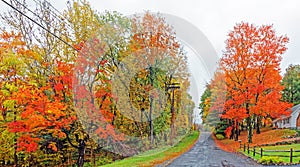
(250, 75)
(57, 98)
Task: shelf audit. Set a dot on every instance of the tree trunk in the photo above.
(258, 125)
(114, 115)
(151, 72)
(15, 143)
(236, 131)
(249, 124)
(240, 128)
(165, 137)
(81, 152)
(249, 128)
(232, 131)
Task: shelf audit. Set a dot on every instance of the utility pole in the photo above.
(151, 105)
(172, 86)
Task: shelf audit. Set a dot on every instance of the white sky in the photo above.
(215, 18)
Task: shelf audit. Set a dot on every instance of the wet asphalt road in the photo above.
(205, 153)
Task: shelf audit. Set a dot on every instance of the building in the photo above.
(290, 121)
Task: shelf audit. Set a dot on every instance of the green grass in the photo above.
(277, 154)
(155, 156)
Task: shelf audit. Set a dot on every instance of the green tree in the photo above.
(291, 83)
(12, 72)
(205, 103)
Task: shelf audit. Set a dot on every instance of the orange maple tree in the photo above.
(252, 76)
(39, 115)
(29, 109)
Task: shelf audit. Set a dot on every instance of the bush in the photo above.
(220, 137)
(269, 160)
(289, 133)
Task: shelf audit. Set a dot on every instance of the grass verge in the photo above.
(160, 155)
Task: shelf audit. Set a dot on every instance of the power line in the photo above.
(45, 1)
(10, 5)
(58, 16)
(25, 7)
(50, 12)
(53, 34)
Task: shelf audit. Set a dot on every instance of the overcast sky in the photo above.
(215, 18)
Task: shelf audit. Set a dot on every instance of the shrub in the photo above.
(220, 137)
(289, 133)
(270, 160)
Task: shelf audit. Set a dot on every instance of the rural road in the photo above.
(205, 153)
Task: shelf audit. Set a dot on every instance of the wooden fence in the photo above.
(262, 152)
